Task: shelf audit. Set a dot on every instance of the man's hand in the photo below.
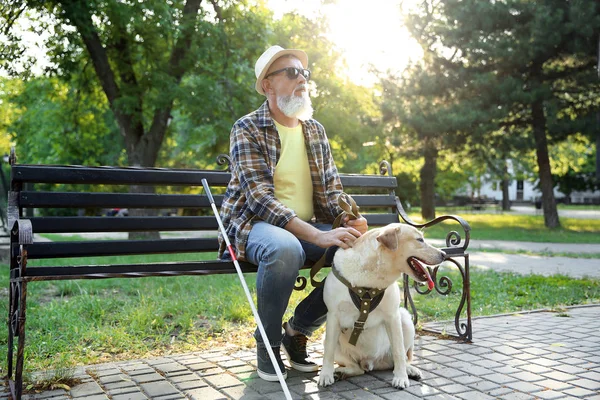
(360, 224)
(341, 237)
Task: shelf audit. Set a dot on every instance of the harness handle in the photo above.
(349, 207)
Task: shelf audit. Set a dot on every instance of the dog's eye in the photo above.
(421, 240)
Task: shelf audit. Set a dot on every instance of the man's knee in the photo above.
(289, 252)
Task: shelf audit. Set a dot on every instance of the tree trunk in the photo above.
(598, 142)
(505, 187)
(427, 185)
(541, 147)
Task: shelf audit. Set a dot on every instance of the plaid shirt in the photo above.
(255, 149)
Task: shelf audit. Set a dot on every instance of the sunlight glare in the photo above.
(370, 35)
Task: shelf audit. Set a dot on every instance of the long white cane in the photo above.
(261, 328)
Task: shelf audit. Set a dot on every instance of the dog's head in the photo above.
(409, 251)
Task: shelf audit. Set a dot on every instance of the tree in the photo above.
(140, 53)
(534, 60)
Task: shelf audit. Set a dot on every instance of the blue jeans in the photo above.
(279, 256)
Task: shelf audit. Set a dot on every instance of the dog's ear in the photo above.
(389, 238)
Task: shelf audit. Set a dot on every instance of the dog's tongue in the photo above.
(430, 283)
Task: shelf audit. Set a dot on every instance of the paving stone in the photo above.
(399, 395)
(157, 389)
(500, 392)
(579, 392)
(534, 368)
(526, 387)
(86, 390)
(92, 397)
(222, 381)
(555, 385)
(474, 396)
(454, 388)
(123, 390)
(178, 396)
(560, 376)
(243, 392)
(586, 383)
(130, 396)
(205, 393)
(359, 394)
(148, 377)
(187, 385)
(549, 394)
(484, 386)
(422, 390)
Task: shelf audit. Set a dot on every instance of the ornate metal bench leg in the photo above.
(21, 345)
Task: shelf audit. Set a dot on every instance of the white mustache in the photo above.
(302, 86)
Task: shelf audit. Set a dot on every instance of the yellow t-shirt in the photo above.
(293, 183)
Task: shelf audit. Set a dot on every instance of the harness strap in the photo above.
(365, 299)
(350, 208)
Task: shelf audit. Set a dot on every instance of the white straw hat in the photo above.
(268, 57)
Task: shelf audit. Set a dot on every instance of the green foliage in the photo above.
(63, 124)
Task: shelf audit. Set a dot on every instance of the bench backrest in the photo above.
(158, 189)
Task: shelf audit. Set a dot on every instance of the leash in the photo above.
(365, 299)
(350, 208)
(261, 328)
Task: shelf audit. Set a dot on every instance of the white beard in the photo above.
(295, 106)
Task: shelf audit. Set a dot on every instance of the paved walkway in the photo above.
(541, 355)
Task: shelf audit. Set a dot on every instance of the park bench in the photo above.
(75, 189)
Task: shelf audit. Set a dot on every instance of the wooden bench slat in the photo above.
(381, 219)
(42, 199)
(75, 174)
(368, 181)
(114, 200)
(149, 224)
(120, 247)
(135, 270)
(126, 224)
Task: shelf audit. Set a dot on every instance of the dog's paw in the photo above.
(326, 378)
(401, 381)
(367, 365)
(414, 373)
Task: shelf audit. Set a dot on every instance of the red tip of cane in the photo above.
(231, 253)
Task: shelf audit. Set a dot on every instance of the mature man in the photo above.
(280, 203)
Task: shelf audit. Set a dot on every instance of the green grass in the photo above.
(519, 228)
(91, 321)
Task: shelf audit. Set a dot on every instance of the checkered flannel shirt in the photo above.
(250, 197)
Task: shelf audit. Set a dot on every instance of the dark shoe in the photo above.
(295, 349)
(265, 368)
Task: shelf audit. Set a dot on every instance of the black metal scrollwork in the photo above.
(224, 159)
(385, 168)
(453, 239)
(301, 282)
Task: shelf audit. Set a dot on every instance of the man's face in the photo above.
(281, 84)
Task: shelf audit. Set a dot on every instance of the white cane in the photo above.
(261, 328)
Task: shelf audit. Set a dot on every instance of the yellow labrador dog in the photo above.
(374, 264)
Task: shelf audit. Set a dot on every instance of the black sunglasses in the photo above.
(292, 73)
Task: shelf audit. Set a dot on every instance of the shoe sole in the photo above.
(300, 367)
(270, 377)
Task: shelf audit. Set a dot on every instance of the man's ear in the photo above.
(389, 238)
(266, 85)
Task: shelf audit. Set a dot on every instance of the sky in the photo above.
(367, 32)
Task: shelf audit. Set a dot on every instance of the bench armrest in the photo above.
(18, 226)
(453, 238)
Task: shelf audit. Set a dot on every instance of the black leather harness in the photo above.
(365, 299)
